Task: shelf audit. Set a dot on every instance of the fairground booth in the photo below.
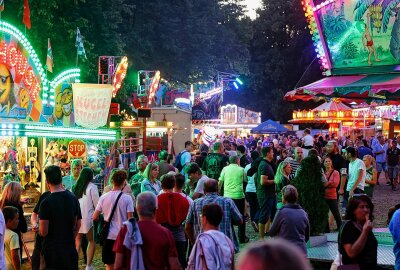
(46, 121)
(357, 45)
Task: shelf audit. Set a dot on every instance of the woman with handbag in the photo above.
(88, 195)
(117, 208)
(357, 243)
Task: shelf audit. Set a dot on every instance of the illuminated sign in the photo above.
(154, 86)
(120, 75)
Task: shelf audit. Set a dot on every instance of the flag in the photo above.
(79, 44)
(27, 15)
(1, 5)
(49, 59)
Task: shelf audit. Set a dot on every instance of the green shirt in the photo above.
(233, 176)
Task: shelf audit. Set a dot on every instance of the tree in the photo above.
(311, 193)
(281, 49)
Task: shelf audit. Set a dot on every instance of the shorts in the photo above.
(267, 209)
(381, 166)
(107, 253)
(393, 172)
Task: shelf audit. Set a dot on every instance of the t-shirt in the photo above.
(185, 158)
(338, 162)
(265, 168)
(38, 238)
(362, 151)
(354, 169)
(233, 176)
(251, 187)
(158, 246)
(213, 165)
(200, 184)
(68, 181)
(164, 168)
(105, 206)
(2, 236)
(393, 157)
(244, 161)
(308, 140)
(367, 259)
(61, 209)
(11, 242)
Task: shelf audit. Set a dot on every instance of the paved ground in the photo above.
(384, 198)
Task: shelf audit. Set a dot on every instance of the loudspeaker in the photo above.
(142, 112)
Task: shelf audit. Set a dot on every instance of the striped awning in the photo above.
(384, 86)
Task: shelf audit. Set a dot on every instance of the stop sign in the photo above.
(77, 148)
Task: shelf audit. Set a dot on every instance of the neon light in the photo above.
(66, 135)
(72, 130)
(120, 75)
(210, 93)
(63, 76)
(154, 86)
(236, 85)
(239, 81)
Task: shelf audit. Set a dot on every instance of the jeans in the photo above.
(242, 228)
(347, 195)
(181, 247)
(251, 197)
(334, 208)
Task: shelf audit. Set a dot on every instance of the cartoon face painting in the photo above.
(66, 100)
(6, 85)
(23, 98)
(58, 108)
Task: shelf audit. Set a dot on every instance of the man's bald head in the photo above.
(211, 185)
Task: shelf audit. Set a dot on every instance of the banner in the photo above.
(91, 104)
(206, 109)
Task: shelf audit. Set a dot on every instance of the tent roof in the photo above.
(355, 86)
(269, 126)
(332, 106)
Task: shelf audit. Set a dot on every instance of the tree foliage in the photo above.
(311, 194)
(281, 50)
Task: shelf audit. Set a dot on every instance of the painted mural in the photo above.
(63, 112)
(361, 33)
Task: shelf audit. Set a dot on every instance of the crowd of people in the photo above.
(183, 214)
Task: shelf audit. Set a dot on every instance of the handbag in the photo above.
(342, 266)
(105, 227)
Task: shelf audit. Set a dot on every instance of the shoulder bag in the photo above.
(105, 227)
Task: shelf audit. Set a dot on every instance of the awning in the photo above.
(384, 86)
(269, 127)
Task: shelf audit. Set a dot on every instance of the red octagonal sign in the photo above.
(77, 148)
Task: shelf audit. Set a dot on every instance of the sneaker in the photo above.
(255, 226)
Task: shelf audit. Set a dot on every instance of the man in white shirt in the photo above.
(355, 177)
(197, 180)
(308, 142)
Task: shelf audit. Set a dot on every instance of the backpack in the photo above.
(177, 163)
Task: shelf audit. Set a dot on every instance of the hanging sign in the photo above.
(91, 104)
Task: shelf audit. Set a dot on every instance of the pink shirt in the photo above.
(333, 183)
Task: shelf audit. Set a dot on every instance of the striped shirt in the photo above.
(231, 214)
(294, 164)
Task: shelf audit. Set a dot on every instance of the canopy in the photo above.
(269, 127)
(382, 86)
(332, 106)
